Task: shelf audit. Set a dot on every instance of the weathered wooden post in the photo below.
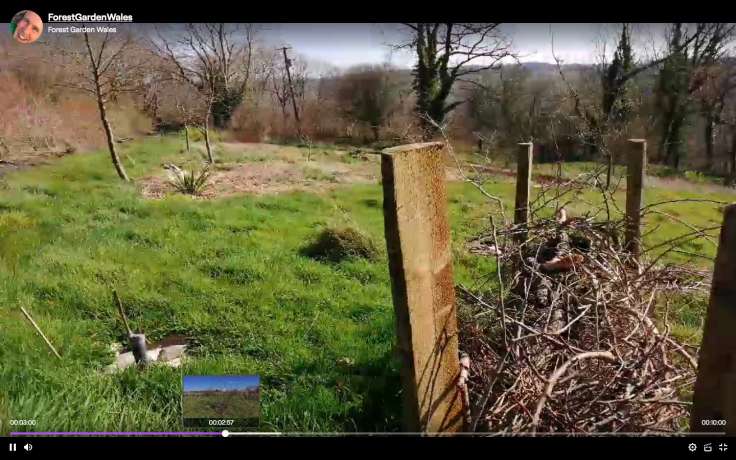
(523, 187)
(636, 161)
(420, 263)
(714, 401)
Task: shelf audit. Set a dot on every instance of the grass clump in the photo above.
(335, 244)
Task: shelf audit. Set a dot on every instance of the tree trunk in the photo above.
(674, 141)
(100, 95)
(609, 170)
(186, 135)
(375, 133)
(207, 142)
(111, 141)
(709, 140)
(732, 154)
(210, 159)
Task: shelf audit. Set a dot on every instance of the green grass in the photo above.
(229, 274)
(573, 169)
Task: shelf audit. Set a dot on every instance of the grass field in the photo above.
(229, 274)
(220, 404)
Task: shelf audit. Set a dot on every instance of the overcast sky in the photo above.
(344, 45)
(347, 44)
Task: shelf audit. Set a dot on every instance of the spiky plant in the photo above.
(192, 181)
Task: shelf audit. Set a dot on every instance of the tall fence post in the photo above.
(420, 263)
(523, 187)
(714, 400)
(636, 160)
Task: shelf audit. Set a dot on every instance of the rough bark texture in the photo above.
(420, 263)
(635, 172)
(715, 389)
(119, 168)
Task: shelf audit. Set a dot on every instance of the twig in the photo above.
(122, 312)
(38, 329)
(552, 381)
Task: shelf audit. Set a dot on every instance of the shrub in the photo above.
(696, 177)
(191, 182)
(197, 135)
(336, 244)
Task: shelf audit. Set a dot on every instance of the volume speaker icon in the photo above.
(28, 447)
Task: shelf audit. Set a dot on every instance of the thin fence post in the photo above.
(420, 263)
(523, 187)
(714, 400)
(636, 161)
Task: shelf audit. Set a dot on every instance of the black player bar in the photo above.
(306, 12)
(663, 446)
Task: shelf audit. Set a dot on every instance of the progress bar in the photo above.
(116, 433)
(227, 433)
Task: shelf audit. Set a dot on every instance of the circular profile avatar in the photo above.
(26, 26)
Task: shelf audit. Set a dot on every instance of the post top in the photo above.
(638, 141)
(729, 211)
(525, 143)
(417, 146)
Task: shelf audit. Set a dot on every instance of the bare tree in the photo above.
(712, 96)
(607, 116)
(111, 65)
(446, 53)
(215, 60)
(683, 73)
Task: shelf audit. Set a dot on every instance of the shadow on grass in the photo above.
(379, 384)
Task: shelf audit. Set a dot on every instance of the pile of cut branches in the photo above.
(576, 335)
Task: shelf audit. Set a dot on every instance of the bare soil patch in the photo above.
(261, 169)
(15, 160)
(263, 178)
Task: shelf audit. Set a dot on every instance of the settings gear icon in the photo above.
(692, 447)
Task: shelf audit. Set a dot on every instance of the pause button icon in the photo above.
(12, 447)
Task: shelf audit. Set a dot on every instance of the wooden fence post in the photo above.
(636, 161)
(420, 263)
(714, 399)
(523, 187)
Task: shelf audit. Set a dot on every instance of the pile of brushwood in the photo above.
(577, 339)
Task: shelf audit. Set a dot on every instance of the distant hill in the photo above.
(544, 68)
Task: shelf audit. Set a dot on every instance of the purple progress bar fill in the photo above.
(116, 433)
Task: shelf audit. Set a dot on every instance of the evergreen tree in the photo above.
(673, 100)
(616, 83)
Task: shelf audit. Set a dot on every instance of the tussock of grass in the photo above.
(336, 244)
